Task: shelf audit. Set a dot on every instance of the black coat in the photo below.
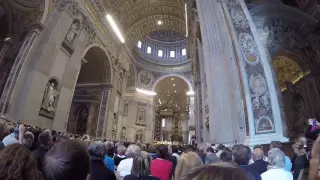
(259, 166)
(39, 154)
(100, 172)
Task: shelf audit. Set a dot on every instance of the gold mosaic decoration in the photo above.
(287, 70)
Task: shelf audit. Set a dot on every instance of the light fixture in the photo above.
(172, 79)
(7, 39)
(159, 22)
(115, 27)
(175, 91)
(146, 92)
(174, 85)
(190, 93)
(186, 16)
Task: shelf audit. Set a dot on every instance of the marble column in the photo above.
(204, 131)
(226, 111)
(103, 112)
(262, 105)
(197, 112)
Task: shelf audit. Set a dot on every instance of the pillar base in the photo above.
(264, 139)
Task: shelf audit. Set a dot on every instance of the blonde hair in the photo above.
(185, 162)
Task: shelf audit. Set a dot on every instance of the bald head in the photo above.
(257, 154)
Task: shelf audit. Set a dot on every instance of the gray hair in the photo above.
(202, 147)
(121, 149)
(109, 145)
(97, 149)
(133, 150)
(141, 164)
(276, 158)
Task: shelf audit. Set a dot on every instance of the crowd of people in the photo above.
(28, 153)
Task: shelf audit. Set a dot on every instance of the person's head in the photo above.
(60, 138)
(202, 148)
(276, 144)
(257, 146)
(226, 155)
(109, 148)
(241, 154)
(209, 150)
(132, 151)
(67, 160)
(141, 164)
(220, 147)
(162, 151)
(143, 147)
(152, 149)
(97, 149)
(175, 149)
(219, 171)
(276, 158)
(28, 139)
(17, 162)
(45, 138)
(257, 154)
(298, 148)
(189, 148)
(121, 149)
(3, 130)
(185, 162)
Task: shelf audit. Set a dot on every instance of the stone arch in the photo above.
(174, 75)
(45, 11)
(107, 64)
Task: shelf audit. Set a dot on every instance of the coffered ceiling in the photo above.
(138, 18)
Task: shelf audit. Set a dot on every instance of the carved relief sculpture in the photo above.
(145, 78)
(50, 97)
(131, 78)
(73, 31)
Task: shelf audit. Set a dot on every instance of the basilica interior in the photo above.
(162, 70)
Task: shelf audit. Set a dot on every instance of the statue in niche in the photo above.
(73, 31)
(114, 126)
(123, 133)
(139, 136)
(125, 109)
(82, 120)
(49, 97)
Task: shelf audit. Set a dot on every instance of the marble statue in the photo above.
(73, 31)
(49, 98)
(125, 111)
(82, 120)
(123, 133)
(114, 126)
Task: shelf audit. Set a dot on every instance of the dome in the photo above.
(164, 47)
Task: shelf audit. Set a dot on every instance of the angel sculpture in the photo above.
(49, 98)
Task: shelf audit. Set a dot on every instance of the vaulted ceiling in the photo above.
(138, 18)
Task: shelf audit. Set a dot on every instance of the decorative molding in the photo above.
(253, 66)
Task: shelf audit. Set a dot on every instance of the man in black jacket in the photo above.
(259, 166)
(45, 141)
